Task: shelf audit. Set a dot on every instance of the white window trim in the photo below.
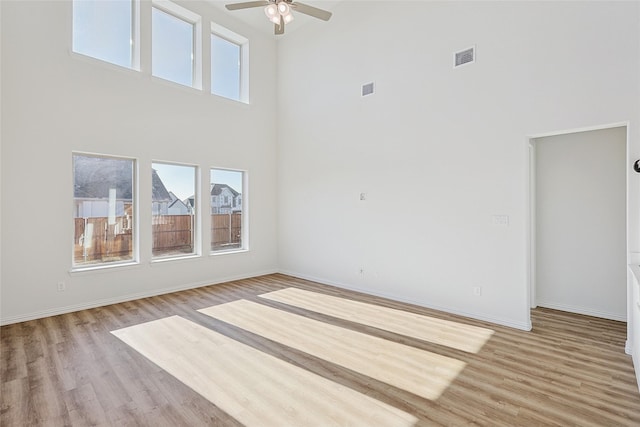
(194, 19)
(135, 36)
(243, 42)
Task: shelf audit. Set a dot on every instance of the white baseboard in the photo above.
(130, 297)
(584, 310)
(627, 348)
(477, 316)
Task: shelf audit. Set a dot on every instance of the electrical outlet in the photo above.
(477, 291)
(61, 287)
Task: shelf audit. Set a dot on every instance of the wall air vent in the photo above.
(463, 57)
(367, 89)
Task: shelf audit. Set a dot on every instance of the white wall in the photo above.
(450, 144)
(581, 259)
(55, 102)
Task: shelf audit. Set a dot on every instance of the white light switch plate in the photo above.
(500, 220)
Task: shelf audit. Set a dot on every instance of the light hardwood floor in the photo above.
(89, 367)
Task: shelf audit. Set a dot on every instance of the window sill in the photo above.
(227, 252)
(103, 268)
(173, 259)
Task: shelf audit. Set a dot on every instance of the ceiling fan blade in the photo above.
(311, 11)
(279, 29)
(247, 5)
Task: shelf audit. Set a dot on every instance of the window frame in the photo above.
(243, 43)
(244, 232)
(135, 235)
(196, 224)
(186, 15)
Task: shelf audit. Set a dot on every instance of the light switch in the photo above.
(500, 220)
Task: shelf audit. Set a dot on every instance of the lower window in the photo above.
(173, 204)
(227, 210)
(104, 203)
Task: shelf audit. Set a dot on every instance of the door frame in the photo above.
(530, 221)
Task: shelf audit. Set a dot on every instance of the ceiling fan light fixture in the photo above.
(271, 11)
(280, 12)
(287, 18)
(283, 8)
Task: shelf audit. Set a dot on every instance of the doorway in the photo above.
(578, 218)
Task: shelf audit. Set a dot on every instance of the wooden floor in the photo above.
(88, 368)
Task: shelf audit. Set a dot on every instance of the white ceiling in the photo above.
(257, 19)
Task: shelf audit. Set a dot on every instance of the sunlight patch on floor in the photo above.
(253, 387)
(438, 331)
(417, 371)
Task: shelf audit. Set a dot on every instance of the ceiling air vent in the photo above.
(463, 57)
(367, 89)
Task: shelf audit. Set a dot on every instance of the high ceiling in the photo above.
(257, 19)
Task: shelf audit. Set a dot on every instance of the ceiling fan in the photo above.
(279, 11)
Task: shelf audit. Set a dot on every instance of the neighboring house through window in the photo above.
(178, 207)
(225, 199)
(160, 197)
